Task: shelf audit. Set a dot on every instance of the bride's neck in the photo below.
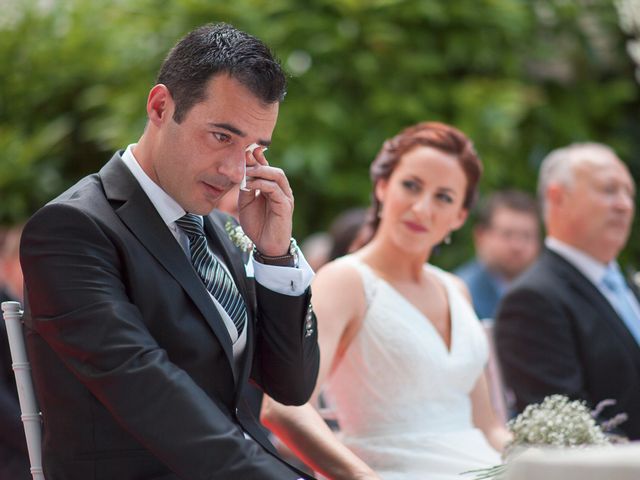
(393, 261)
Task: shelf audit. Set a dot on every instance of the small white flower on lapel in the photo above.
(237, 236)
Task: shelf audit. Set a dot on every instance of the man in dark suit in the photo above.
(565, 327)
(143, 322)
(506, 236)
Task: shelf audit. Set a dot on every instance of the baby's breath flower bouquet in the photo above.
(558, 422)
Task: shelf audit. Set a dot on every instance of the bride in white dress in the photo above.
(402, 352)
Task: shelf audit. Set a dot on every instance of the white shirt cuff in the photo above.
(290, 281)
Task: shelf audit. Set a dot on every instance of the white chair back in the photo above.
(31, 418)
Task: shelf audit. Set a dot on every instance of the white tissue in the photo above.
(250, 148)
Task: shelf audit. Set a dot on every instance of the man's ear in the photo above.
(160, 104)
(554, 194)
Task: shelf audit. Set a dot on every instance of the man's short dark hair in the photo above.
(510, 199)
(214, 49)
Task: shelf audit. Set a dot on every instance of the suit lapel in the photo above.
(584, 288)
(141, 217)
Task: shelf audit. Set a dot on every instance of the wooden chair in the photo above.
(31, 418)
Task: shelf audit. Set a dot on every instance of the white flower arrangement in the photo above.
(237, 236)
(556, 421)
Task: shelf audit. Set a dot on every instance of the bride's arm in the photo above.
(307, 434)
(485, 418)
(339, 308)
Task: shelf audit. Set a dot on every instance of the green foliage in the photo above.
(520, 78)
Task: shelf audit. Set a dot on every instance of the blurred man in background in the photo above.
(507, 240)
(571, 324)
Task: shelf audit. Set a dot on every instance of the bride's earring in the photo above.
(447, 239)
(379, 214)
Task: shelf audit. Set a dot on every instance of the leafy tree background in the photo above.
(520, 78)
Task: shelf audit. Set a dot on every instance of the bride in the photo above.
(402, 352)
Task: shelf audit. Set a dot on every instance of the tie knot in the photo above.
(191, 225)
(613, 279)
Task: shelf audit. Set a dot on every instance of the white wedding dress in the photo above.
(401, 397)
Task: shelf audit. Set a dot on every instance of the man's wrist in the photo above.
(289, 259)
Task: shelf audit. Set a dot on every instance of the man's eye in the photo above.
(222, 137)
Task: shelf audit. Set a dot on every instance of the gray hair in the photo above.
(559, 165)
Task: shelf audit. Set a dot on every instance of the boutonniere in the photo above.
(636, 279)
(237, 236)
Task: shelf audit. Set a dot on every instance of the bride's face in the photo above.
(422, 199)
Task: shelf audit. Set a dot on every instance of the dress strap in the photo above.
(369, 278)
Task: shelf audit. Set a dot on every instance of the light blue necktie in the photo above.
(212, 273)
(622, 298)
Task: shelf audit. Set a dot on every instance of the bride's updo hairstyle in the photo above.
(436, 135)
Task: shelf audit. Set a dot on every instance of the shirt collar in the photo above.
(586, 264)
(166, 206)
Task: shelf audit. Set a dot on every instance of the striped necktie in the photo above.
(212, 272)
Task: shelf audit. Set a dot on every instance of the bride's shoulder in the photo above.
(338, 286)
(343, 270)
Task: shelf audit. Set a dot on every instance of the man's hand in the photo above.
(266, 210)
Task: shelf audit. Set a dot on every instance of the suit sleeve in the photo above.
(287, 357)
(536, 347)
(79, 305)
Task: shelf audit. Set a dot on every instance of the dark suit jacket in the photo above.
(483, 288)
(132, 362)
(14, 462)
(556, 333)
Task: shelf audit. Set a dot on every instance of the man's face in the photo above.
(510, 243)
(598, 207)
(202, 158)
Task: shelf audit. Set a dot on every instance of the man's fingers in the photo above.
(272, 174)
(271, 189)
